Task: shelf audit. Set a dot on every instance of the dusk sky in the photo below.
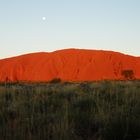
(48, 25)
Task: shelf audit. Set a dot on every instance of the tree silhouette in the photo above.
(55, 80)
(128, 74)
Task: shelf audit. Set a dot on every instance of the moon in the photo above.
(43, 18)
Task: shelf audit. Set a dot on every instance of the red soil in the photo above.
(69, 65)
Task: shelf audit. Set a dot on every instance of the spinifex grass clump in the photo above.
(70, 111)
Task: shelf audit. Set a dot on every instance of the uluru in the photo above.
(70, 65)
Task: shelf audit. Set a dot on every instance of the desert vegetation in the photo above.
(128, 74)
(107, 110)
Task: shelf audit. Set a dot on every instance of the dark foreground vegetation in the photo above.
(70, 111)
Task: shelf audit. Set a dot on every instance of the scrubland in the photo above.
(106, 110)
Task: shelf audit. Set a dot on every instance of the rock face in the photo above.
(70, 65)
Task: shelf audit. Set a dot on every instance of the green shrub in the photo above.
(128, 74)
(55, 81)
